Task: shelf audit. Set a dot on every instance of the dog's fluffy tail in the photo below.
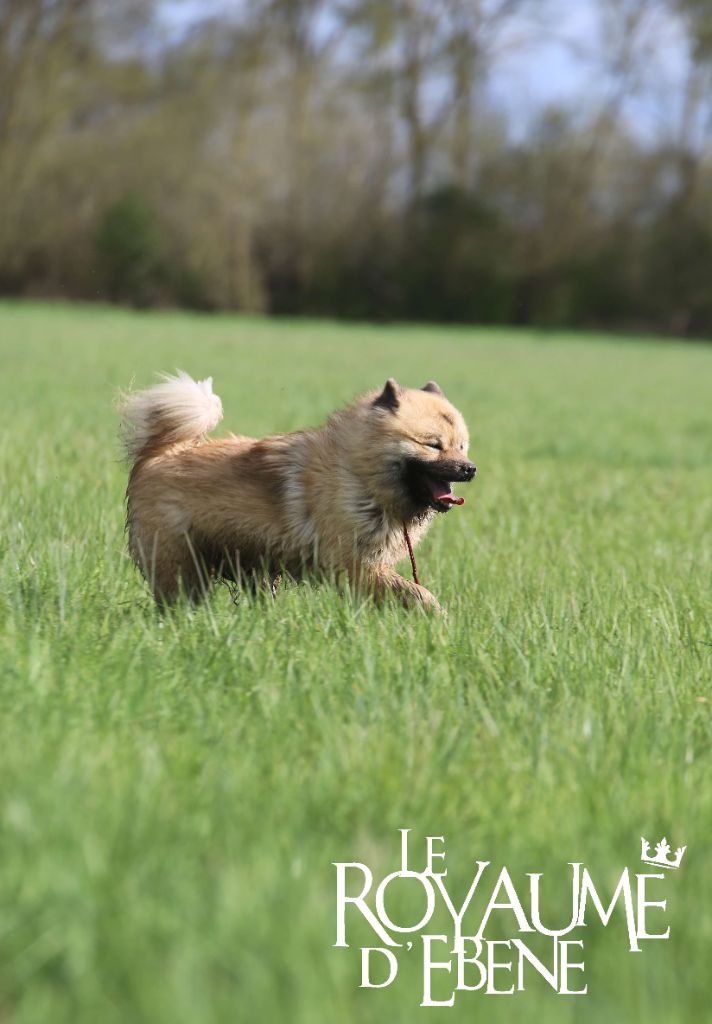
(179, 410)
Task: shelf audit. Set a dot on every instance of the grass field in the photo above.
(173, 791)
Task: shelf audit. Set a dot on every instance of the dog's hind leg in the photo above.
(171, 566)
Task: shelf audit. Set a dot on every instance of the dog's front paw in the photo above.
(427, 601)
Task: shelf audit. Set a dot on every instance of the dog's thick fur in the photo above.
(333, 500)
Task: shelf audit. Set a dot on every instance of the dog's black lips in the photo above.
(424, 480)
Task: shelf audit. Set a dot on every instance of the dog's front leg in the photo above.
(382, 581)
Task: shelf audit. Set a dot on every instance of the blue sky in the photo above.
(563, 66)
(552, 65)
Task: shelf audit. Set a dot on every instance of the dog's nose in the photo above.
(468, 471)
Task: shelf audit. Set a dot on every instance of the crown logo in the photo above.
(662, 849)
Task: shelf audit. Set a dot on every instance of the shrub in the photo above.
(129, 249)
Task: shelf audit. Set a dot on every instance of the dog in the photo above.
(345, 500)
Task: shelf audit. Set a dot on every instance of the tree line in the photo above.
(347, 158)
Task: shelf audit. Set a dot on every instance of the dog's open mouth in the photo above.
(431, 485)
(441, 492)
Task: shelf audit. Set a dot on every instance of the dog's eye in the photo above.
(438, 445)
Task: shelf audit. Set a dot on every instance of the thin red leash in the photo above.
(412, 556)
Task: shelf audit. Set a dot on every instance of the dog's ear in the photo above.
(389, 398)
(432, 387)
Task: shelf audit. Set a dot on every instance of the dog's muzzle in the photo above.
(430, 483)
(462, 472)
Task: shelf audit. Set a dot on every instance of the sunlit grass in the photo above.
(173, 790)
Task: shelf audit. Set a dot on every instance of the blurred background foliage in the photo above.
(351, 158)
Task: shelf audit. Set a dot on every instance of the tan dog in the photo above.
(335, 500)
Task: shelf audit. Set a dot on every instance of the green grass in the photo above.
(174, 790)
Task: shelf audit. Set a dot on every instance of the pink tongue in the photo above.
(442, 492)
